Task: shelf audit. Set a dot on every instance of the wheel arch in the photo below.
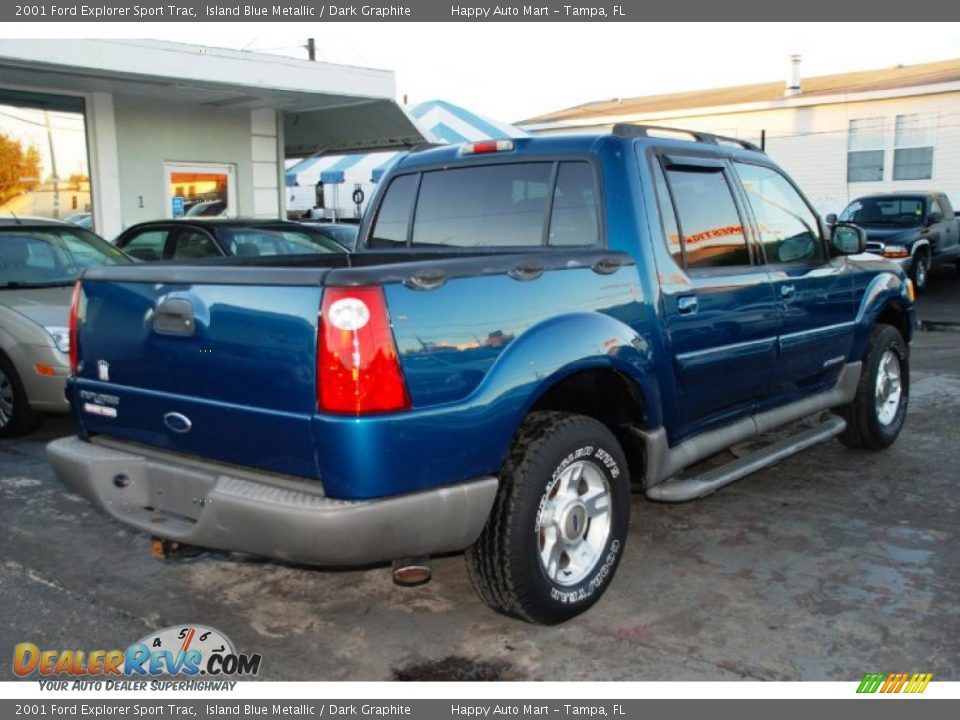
(609, 396)
(895, 313)
(885, 301)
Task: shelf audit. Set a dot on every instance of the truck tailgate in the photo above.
(226, 370)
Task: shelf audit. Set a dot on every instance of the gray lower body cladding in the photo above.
(664, 461)
(227, 508)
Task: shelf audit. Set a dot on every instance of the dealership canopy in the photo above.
(325, 108)
(441, 122)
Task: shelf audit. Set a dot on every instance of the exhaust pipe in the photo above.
(412, 571)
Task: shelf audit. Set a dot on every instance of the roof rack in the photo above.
(646, 131)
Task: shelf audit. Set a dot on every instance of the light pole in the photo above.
(53, 166)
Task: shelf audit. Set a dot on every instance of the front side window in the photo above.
(913, 153)
(865, 143)
(789, 230)
(710, 226)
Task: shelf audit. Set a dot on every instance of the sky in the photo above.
(513, 71)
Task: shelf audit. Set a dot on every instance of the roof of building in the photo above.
(901, 76)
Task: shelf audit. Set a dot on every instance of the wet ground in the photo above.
(832, 564)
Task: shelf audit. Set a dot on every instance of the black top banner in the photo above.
(459, 11)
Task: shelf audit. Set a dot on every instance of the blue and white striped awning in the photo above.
(443, 122)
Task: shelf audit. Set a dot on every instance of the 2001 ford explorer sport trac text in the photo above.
(529, 329)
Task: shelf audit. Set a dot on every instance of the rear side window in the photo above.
(147, 245)
(574, 218)
(193, 245)
(667, 216)
(393, 218)
(709, 224)
(501, 205)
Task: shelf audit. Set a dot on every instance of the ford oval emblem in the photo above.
(177, 422)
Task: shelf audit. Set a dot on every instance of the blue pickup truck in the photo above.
(530, 330)
(916, 230)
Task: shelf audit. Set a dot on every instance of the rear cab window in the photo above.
(510, 205)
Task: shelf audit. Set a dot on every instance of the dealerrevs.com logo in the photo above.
(178, 651)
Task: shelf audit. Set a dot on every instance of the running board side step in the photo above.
(699, 486)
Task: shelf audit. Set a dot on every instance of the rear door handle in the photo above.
(786, 291)
(687, 304)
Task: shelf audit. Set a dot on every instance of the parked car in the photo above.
(81, 219)
(194, 238)
(39, 262)
(207, 208)
(918, 230)
(343, 233)
(529, 329)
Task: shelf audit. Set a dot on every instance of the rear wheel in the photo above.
(876, 415)
(920, 270)
(559, 523)
(16, 415)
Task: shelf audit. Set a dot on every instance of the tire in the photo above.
(16, 415)
(870, 424)
(552, 488)
(920, 271)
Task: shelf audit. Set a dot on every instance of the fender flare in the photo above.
(885, 289)
(557, 348)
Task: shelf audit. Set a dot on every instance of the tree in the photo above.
(77, 179)
(19, 168)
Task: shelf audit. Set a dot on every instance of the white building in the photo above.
(839, 136)
(133, 130)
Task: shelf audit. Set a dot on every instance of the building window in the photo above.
(913, 151)
(200, 190)
(44, 169)
(865, 150)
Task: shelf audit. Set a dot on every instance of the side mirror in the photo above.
(849, 239)
(831, 219)
(934, 218)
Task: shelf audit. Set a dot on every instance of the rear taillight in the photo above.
(74, 312)
(358, 370)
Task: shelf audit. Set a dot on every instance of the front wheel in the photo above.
(558, 526)
(876, 415)
(16, 415)
(920, 270)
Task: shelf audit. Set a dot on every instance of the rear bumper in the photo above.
(226, 507)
